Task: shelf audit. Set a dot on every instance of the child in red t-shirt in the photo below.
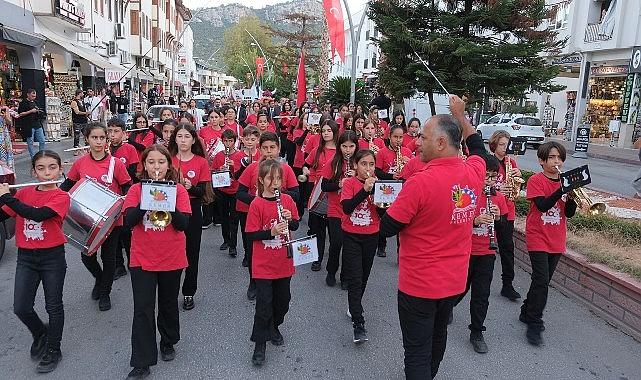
(247, 156)
(272, 269)
(481, 268)
(39, 212)
(360, 224)
(111, 173)
(158, 257)
(334, 175)
(545, 233)
(369, 140)
(167, 128)
(188, 157)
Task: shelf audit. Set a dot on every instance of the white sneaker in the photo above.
(348, 313)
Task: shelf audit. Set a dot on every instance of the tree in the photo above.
(339, 89)
(240, 50)
(470, 45)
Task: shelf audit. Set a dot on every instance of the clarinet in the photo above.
(279, 207)
(488, 210)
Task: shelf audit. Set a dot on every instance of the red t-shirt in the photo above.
(98, 170)
(251, 119)
(147, 139)
(407, 139)
(219, 162)
(545, 232)
(413, 166)
(237, 128)
(290, 130)
(364, 144)
(364, 219)
(209, 136)
(434, 254)
(382, 124)
(45, 234)
(413, 147)
(270, 128)
(196, 170)
(249, 178)
(334, 208)
(269, 257)
(325, 157)
(285, 122)
(511, 207)
(386, 159)
(299, 154)
(311, 141)
(157, 249)
(481, 234)
(126, 153)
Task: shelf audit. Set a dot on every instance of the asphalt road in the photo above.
(215, 335)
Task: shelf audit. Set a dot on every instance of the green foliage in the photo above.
(469, 45)
(339, 91)
(623, 230)
(238, 53)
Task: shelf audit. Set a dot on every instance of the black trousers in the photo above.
(104, 275)
(505, 241)
(123, 244)
(382, 240)
(543, 266)
(242, 218)
(424, 328)
(229, 220)
(358, 256)
(77, 132)
(479, 279)
(193, 235)
(335, 245)
(318, 226)
(144, 284)
(284, 144)
(291, 152)
(49, 266)
(272, 303)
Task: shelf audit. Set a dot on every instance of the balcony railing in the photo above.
(593, 33)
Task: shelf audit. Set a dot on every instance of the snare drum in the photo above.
(92, 213)
(318, 201)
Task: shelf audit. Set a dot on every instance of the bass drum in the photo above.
(318, 201)
(92, 213)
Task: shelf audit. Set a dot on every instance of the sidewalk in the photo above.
(603, 151)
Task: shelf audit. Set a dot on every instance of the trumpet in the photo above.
(585, 202)
(487, 190)
(20, 185)
(158, 218)
(280, 209)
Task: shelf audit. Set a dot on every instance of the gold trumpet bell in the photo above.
(584, 201)
(160, 219)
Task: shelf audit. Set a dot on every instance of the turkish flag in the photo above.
(301, 87)
(336, 25)
(260, 64)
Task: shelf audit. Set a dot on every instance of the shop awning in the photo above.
(160, 78)
(82, 52)
(21, 37)
(142, 75)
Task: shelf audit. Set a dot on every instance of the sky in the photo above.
(354, 5)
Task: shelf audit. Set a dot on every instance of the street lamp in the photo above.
(355, 40)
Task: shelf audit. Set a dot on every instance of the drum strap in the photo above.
(110, 173)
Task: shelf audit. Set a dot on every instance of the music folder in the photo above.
(575, 178)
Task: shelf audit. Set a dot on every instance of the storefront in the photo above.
(605, 99)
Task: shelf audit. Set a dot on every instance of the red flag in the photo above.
(301, 87)
(260, 64)
(336, 25)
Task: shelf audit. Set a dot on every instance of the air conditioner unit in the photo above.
(120, 31)
(112, 49)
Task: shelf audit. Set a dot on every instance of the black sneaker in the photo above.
(277, 338)
(330, 280)
(251, 292)
(224, 246)
(49, 361)
(119, 272)
(508, 292)
(524, 320)
(245, 261)
(360, 334)
(138, 373)
(258, 358)
(381, 252)
(104, 303)
(316, 266)
(188, 302)
(233, 252)
(450, 317)
(95, 292)
(533, 336)
(167, 353)
(478, 342)
(39, 345)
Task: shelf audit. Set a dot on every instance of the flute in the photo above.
(86, 147)
(137, 129)
(56, 182)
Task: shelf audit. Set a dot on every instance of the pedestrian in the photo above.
(211, 132)
(30, 117)
(197, 113)
(79, 118)
(167, 127)
(230, 123)
(381, 101)
(269, 148)
(433, 215)
(128, 155)
(228, 160)
(481, 267)
(39, 212)
(143, 138)
(334, 175)
(6, 147)
(252, 118)
(158, 257)
(380, 125)
(369, 141)
(188, 157)
(636, 184)
(111, 173)
(271, 215)
(360, 224)
(545, 233)
(121, 108)
(250, 154)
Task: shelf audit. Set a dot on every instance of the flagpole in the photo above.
(355, 40)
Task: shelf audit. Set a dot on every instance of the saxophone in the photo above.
(371, 146)
(399, 160)
(512, 182)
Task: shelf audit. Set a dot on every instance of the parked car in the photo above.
(201, 100)
(517, 125)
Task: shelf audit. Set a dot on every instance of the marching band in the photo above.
(168, 181)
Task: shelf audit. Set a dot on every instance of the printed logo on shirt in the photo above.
(104, 178)
(123, 160)
(362, 216)
(33, 230)
(275, 243)
(191, 174)
(552, 216)
(464, 204)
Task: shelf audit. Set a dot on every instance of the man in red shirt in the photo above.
(433, 216)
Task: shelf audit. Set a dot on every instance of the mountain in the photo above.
(210, 24)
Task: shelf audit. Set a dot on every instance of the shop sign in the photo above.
(609, 70)
(71, 10)
(113, 76)
(635, 61)
(631, 100)
(627, 97)
(582, 139)
(570, 59)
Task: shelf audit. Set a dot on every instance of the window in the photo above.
(134, 25)
(365, 64)
(560, 21)
(367, 35)
(532, 121)
(375, 33)
(374, 61)
(493, 119)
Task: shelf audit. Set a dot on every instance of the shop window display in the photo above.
(605, 102)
